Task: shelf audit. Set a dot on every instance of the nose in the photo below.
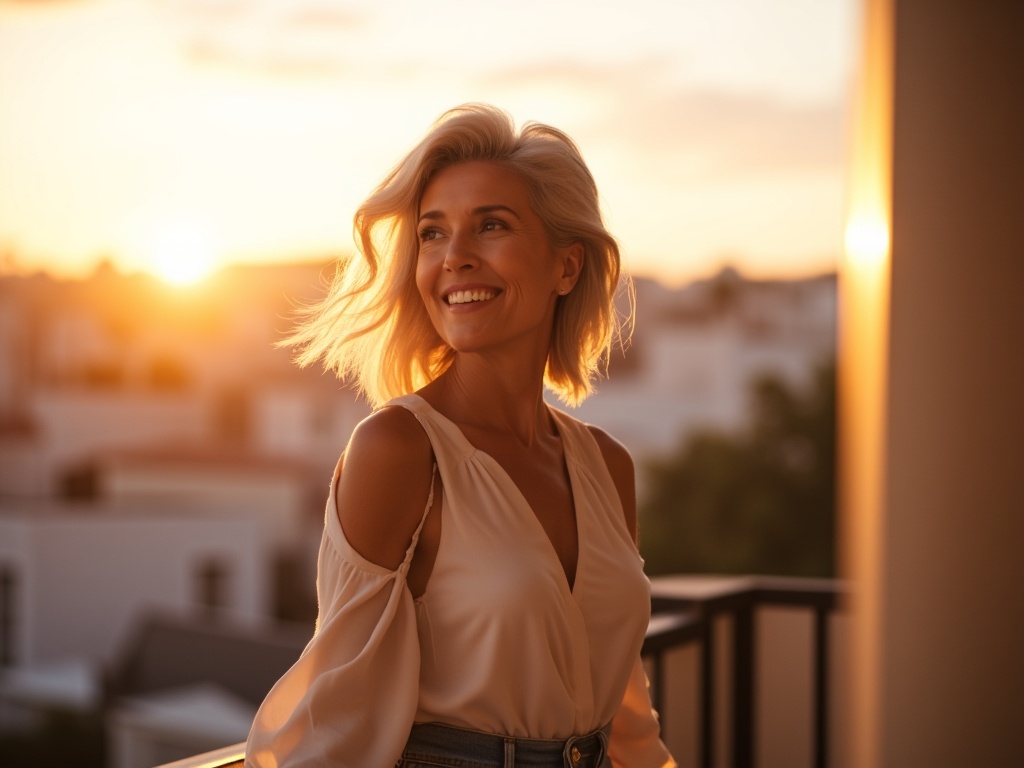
(460, 254)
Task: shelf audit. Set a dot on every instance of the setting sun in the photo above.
(183, 255)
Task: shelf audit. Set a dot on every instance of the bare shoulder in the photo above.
(620, 466)
(384, 484)
(391, 434)
(615, 454)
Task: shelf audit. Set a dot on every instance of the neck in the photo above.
(501, 399)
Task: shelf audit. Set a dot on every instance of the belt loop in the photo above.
(602, 737)
(510, 752)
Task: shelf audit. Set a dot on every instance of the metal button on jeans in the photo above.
(575, 754)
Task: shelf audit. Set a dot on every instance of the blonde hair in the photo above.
(372, 327)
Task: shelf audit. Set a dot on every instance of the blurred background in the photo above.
(177, 176)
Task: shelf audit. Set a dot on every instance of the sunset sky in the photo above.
(163, 133)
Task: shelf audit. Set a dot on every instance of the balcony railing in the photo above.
(227, 757)
(684, 613)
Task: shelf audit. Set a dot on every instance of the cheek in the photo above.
(426, 286)
(424, 278)
(535, 281)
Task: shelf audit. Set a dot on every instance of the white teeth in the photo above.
(465, 297)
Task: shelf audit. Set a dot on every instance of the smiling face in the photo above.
(486, 270)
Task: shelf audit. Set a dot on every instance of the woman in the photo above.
(481, 596)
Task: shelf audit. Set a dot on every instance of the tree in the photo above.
(762, 501)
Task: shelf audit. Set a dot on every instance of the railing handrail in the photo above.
(225, 757)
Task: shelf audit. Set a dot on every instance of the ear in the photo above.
(572, 265)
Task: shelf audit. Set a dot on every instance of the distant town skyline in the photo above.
(181, 135)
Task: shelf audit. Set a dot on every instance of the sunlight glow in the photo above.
(864, 376)
(867, 239)
(183, 255)
(275, 119)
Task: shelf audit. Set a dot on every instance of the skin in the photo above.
(477, 234)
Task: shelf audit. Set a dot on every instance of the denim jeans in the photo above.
(432, 745)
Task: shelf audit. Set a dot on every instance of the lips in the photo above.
(467, 296)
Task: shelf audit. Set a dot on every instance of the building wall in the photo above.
(937, 563)
(83, 579)
(71, 426)
(296, 423)
(954, 690)
(276, 500)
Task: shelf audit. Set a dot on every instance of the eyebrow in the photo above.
(478, 211)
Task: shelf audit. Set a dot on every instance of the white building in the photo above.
(282, 497)
(697, 354)
(67, 427)
(313, 426)
(77, 578)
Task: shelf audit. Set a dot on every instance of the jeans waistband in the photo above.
(476, 749)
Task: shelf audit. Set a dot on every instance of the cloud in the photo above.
(323, 16)
(303, 39)
(739, 133)
(700, 131)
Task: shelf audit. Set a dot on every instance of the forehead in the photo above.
(473, 184)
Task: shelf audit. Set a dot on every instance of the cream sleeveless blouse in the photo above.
(498, 642)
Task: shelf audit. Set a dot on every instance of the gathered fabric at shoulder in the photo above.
(350, 699)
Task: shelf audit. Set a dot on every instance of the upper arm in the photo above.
(620, 466)
(384, 485)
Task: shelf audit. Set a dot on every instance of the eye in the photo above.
(491, 225)
(429, 233)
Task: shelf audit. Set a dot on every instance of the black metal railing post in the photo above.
(707, 691)
(744, 653)
(821, 686)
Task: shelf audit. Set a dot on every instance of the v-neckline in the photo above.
(504, 476)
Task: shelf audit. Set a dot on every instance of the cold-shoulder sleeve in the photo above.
(635, 740)
(350, 699)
